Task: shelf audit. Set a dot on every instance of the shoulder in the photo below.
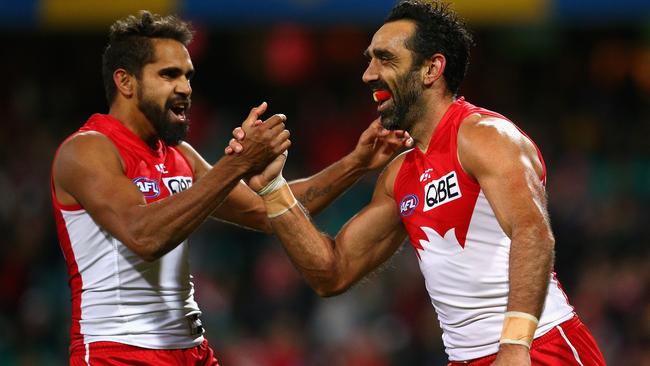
(89, 150)
(485, 141)
(87, 144)
(483, 129)
(84, 157)
(386, 181)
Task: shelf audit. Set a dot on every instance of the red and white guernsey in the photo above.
(462, 251)
(117, 296)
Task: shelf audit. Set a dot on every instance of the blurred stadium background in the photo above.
(575, 75)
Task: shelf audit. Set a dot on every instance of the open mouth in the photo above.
(179, 111)
(382, 97)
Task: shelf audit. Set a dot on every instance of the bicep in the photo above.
(508, 169)
(518, 200)
(88, 169)
(371, 237)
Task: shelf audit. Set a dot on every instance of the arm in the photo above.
(331, 266)
(491, 149)
(88, 170)
(375, 148)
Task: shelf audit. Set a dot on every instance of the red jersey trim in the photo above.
(180, 152)
(75, 280)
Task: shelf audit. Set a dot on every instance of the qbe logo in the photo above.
(441, 191)
(148, 187)
(177, 184)
(408, 205)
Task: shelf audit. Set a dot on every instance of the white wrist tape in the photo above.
(276, 183)
(279, 201)
(518, 328)
(273, 185)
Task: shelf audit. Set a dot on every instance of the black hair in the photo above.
(130, 44)
(438, 29)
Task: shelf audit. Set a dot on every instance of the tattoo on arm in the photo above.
(313, 193)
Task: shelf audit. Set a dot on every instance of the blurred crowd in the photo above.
(583, 94)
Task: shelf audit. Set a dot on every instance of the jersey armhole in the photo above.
(187, 161)
(456, 158)
(497, 115)
(404, 156)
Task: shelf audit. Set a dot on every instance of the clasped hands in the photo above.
(375, 148)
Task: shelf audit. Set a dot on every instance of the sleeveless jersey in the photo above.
(462, 251)
(116, 295)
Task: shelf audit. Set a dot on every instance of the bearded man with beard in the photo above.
(470, 197)
(127, 192)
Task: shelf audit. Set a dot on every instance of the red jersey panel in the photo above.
(117, 296)
(149, 169)
(462, 251)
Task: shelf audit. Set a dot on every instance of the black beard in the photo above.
(405, 99)
(169, 132)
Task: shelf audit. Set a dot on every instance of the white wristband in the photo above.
(273, 185)
(518, 328)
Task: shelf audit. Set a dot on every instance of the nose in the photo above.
(371, 72)
(183, 87)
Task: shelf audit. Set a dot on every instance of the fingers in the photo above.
(408, 142)
(239, 133)
(234, 147)
(392, 139)
(275, 120)
(279, 142)
(378, 129)
(404, 137)
(255, 114)
(285, 146)
(376, 123)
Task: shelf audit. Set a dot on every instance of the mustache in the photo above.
(178, 99)
(376, 85)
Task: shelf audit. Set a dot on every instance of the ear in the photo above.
(435, 67)
(125, 82)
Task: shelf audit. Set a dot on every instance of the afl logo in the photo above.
(148, 187)
(408, 205)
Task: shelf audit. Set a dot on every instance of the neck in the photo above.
(425, 126)
(135, 121)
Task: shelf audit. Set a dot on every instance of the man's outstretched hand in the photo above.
(377, 146)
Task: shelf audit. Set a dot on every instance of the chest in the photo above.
(160, 176)
(432, 191)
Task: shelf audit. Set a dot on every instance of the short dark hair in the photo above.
(438, 29)
(130, 44)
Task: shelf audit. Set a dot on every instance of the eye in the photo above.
(171, 73)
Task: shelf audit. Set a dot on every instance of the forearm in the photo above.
(531, 257)
(312, 252)
(318, 191)
(158, 227)
(531, 260)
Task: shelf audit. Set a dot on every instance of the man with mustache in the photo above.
(470, 197)
(127, 192)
